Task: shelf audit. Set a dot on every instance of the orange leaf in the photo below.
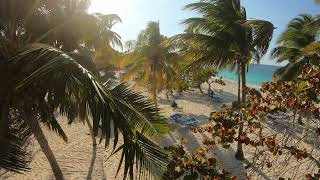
(291, 103)
(185, 141)
(313, 108)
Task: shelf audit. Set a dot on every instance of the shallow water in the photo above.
(256, 75)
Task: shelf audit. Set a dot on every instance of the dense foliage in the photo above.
(301, 96)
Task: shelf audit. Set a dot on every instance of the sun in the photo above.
(109, 6)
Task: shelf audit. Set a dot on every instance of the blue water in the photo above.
(257, 74)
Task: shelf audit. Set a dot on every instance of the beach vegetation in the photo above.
(201, 76)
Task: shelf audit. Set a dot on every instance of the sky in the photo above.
(135, 15)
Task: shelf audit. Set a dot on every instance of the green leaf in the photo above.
(303, 85)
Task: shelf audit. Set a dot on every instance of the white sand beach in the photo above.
(78, 160)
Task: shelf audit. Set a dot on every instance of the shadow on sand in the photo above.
(93, 161)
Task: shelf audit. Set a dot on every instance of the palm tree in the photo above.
(298, 45)
(38, 69)
(223, 37)
(150, 61)
(30, 74)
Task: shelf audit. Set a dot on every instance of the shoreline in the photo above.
(235, 82)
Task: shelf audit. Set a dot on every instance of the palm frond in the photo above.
(222, 35)
(262, 35)
(144, 116)
(14, 155)
(290, 71)
(79, 93)
(147, 159)
(294, 43)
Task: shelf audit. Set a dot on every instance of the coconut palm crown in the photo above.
(223, 36)
(299, 46)
(150, 61)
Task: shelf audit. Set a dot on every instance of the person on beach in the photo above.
(210, 93)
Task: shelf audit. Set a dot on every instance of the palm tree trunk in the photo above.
(300, 120)
(39, 135)
(239, 153)
(154, 87)
(306, 127)
(4, 120)
(239, 84)
(154, 93)
(199, 87)
(94, 141)
(209, 84)
(243, 82)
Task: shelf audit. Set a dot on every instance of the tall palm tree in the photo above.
(298, 45)
(33, 96)
(223, 37)
(30, 74)
(150, 61)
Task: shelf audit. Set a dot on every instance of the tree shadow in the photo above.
(164, 102)
(199, 98)
(229, 162)
(283, 125)
(193, 142)
(92, 163)
(257, 170)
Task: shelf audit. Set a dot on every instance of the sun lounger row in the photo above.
(280, 115)
(181, 119)
(216, 99)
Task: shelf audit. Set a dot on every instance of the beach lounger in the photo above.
(280, 115)
(270, 118)
(216, 99)
(179, 118)
(176, 116)
(189, 122)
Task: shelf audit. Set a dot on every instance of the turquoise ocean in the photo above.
(256, 75)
